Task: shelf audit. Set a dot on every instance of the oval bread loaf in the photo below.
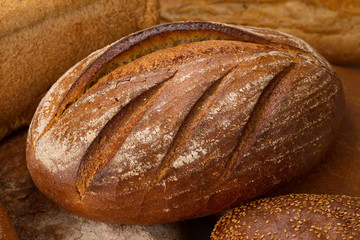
(182, 120)
(7, 231)
(294, 216)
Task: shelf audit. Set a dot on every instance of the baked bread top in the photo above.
(161, 125)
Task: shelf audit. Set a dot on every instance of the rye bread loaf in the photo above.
(332, 27)
(294, 216)
(40, 40)
(37, 218)
(183, 120)
(7, 231)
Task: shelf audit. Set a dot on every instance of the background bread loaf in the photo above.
(40, 40)
(36, 217)
(298, 216)
(332, 27)
(7, 231)
(161, 125)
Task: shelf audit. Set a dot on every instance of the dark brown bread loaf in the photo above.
(7, 231)
(37, 218)
(40, 40)
(302, 216)
(183, 120)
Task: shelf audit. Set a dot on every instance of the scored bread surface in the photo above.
(168, 123)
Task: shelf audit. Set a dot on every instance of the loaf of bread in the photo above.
(332, 27)
(302, 216)
(40, 40)
(7, 231)
(35, 217)
(339, 172)
(168, 123)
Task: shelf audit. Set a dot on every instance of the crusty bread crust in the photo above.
(40, 40)
(162, 125)
(332, 27)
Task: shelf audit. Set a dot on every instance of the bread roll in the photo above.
(332, 27)
(302, 216)
(7, 231)
(162, 125)
(40, 40)
(338, 173)
(36, 217)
